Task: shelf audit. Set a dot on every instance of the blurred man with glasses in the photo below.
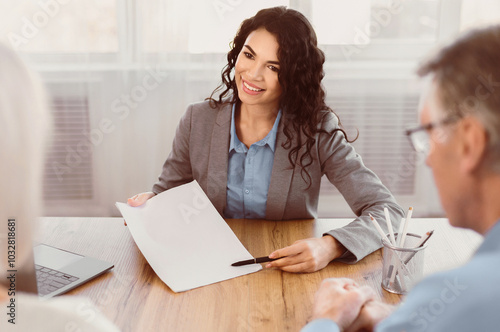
(460, 138)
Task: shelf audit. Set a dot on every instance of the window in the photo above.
(361, 22)
(195, 26)
(479, 13)
(57, 26)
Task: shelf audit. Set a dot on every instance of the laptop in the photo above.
(52, 271)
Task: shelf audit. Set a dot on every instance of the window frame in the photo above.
(130, 55)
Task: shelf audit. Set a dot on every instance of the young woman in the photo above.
(260, 148)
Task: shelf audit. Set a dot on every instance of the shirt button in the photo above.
(247, 191)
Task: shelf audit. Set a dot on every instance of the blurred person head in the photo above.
(24, 126)
(461, 115)
(299, 73)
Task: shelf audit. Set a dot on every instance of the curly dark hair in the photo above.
(301, 71)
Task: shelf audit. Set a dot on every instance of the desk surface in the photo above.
(133, 297)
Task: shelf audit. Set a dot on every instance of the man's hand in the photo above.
(341, 300)
(371, 314)
(307, 255)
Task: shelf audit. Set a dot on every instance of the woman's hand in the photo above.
(138, 200)
(307, 255)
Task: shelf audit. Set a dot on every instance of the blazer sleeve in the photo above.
(177, 168)
(362, 190)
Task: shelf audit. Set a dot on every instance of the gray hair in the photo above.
(24, 126)
(467, 75)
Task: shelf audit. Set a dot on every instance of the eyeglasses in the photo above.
(420, 136)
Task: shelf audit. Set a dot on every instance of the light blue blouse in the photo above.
(249, 174)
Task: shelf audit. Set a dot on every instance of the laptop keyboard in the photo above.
(49, 280)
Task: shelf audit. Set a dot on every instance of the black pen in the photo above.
(423, 240)
(257, 260)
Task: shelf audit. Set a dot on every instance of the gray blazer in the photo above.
(200, 151)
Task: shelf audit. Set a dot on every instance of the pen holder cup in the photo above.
(402, 267)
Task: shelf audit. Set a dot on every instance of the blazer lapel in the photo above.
(217, 164)
(281, 178)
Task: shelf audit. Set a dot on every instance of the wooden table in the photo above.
(133, 297)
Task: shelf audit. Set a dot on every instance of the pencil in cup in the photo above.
(420, 243)
(402, 267)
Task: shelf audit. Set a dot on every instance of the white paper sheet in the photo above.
(185, 240)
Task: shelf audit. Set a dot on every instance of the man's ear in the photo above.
(473, 144)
